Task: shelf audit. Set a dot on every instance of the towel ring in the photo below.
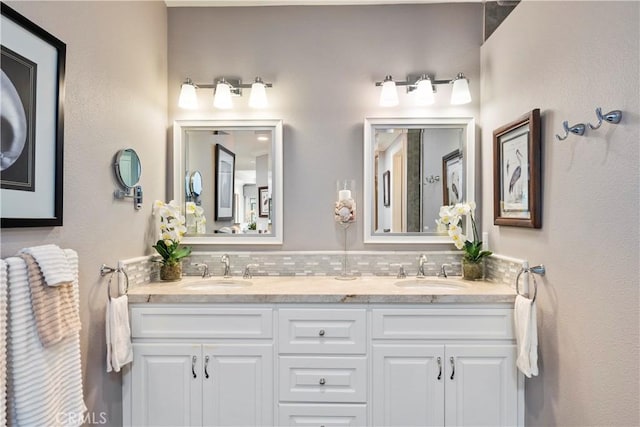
(536, 270)
(104, 270)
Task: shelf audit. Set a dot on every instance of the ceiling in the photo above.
(227, 3)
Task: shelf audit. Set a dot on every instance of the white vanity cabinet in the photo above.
(196, 366)
(314, 364)
(444, 367)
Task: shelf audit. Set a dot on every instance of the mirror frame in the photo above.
(177, 190)
(468, 152)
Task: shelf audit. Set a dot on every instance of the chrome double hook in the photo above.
(575, 129)
(613, 117)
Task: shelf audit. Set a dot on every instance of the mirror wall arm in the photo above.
(136, 196)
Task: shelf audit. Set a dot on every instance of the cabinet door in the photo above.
(238, 385)
(165, 391)
(408, 385)
(481, 385)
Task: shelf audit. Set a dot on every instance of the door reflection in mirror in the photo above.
(231, 164)
(416, 172)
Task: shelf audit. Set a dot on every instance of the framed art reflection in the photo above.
(224, 176)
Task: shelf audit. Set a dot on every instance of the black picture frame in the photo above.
(225, 171)
(39, 202)
(263, 197)
(517, 158)
(452, 179)
(386, 189)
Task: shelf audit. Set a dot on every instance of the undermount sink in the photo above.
(217, 283)
(429, 283)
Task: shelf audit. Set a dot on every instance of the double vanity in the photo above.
(317, 351)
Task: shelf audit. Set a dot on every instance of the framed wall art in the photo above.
(31, 162)
(517, 188)
(225, 170)
(263, 196)
(452, 190)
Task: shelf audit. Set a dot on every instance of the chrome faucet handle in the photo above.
(247, 271)
(401, 273)
(205, 268)
(227, 266)
(443, 270)
(421, 262)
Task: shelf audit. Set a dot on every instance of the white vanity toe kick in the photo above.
(319, 289)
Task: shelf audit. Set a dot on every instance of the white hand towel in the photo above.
(118, 333)
(526, 336)
(53, 263)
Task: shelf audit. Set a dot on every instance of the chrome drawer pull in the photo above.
(322, 381)
(453, 367)
(193, 366)
(321, 333)
(439, 368)
(206, 365)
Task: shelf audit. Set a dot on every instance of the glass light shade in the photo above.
(389, 94)
(188, 98)
(222, 97)
(424, 93)
(258, 97)
(460, 92)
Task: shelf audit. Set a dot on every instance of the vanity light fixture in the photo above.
(424, 87)
(224, 90)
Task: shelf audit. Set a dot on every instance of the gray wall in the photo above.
(559, 56)
(116, 97)
(323, 62)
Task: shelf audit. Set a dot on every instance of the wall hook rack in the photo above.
(612, 117)
(575, 129)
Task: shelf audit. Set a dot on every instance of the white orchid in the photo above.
(451, 217)
(171, 230)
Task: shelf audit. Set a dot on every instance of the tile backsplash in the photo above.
(499, 269)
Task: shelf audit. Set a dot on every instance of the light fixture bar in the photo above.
(224, 89)
(460, 84)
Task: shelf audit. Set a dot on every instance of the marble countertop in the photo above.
(322, 289)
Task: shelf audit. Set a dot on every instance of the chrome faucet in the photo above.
(421, 261)
(227, 266)
(401, 273)
(247, 271)
(205, 269)
(443, 270)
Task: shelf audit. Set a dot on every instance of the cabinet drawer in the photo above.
(447, 323)
(322, 331)
(323, 415)
(323, 379)
(201, 322)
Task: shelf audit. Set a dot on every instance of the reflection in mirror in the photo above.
(412, 168)
(128, 168)
(225, 163)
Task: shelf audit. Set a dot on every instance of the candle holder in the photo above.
(345, 215)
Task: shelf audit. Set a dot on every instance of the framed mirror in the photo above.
(412, 167)
(229, 161)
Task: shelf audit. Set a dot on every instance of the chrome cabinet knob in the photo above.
(322, 381)
(321, 332)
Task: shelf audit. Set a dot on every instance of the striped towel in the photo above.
(3, 343)
(53, 307)
(53, 263)
(45, 384)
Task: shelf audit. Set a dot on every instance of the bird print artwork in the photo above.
(517, 172)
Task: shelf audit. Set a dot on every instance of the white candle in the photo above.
(344, 195)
